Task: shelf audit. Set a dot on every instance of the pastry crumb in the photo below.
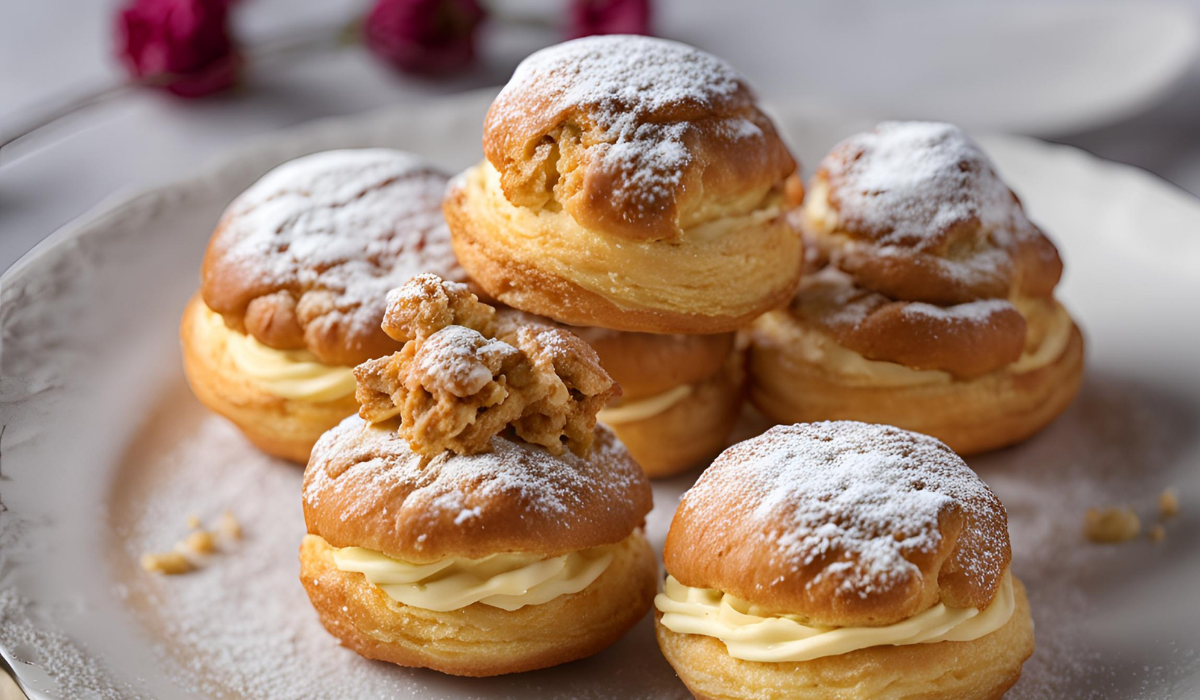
(1112, 525)
(201, 542)
(1168, 504)
(1158, 533)
(198, 541)
(168, 563)
(229, 526)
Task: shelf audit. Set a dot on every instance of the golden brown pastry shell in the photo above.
(282, 427)
(396, 495)
(972, 416)
(734, 539)
(480, 640)
(309, 303)
(548, 131)
(981, 669)
(914, 269)
(645, 364)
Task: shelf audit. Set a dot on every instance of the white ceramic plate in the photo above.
(105, 453)
(1045, 67)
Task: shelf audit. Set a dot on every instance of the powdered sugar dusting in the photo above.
(350, 223)
(412, 295)
(833, 294)
(906, 183)
(621, 79)
(458, 360)
(442, 488)
(971, 312)
(74, 671)
(870, 494)
(626, 86)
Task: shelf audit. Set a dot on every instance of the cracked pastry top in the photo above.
(304, 258)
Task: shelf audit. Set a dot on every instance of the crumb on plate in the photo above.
(169, 563)
(229, 526)
(201, 542)
(1168, 503)
(1111, 525)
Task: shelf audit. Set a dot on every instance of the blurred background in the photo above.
(1119, 79)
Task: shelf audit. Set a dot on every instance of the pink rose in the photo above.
(182, 46)
(588, 17)
(424, 36)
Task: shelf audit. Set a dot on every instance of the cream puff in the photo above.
(935, 308)
(629, 183)
(474, 519)
(292, 289)
(842, 560)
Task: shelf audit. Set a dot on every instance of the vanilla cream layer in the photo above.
(1048, 319)
(507, 581)
(290, 374)
(816, 348)
(1049, 333)
(816, 206)
(704, 271)
(641, 409)
(751, 635)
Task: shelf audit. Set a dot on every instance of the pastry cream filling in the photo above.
(288, 374)
(641, 409)
(816, 206)
(508, 581)
(752, 635)
(817, 348)
(1051, 320)
(1049, 333)
(707, 264)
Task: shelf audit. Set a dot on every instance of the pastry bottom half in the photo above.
(286, 428)
(480, 640)
(981, 669)
(989, 412)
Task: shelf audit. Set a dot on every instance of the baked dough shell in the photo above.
(981, 669)
(480, 640)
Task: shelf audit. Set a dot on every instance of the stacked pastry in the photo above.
(842, 560)
(474, 518)
(293, 285)
(632, 185)
(935, 308)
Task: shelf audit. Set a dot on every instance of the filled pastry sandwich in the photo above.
(842, 560)
(474, 519)
(933, 305)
